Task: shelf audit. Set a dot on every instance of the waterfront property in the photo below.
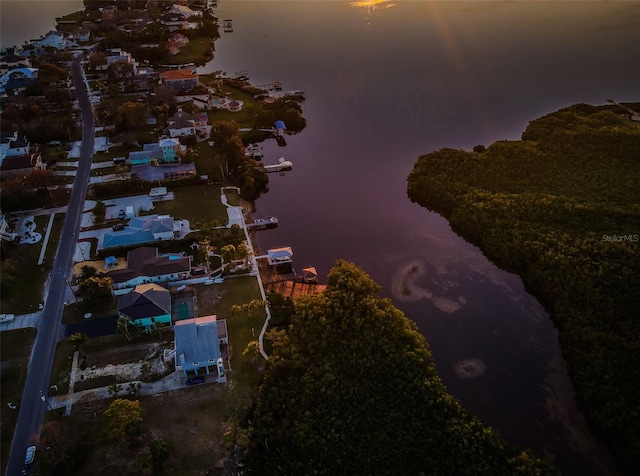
(199, 345)
(147, 306)
(145, 229)
(182, 124)
(164, 151)
(180, 79)
(146, 265)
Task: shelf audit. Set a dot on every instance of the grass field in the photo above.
(197, 203)
(26, 294)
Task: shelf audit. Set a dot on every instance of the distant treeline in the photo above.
(561, 207)
(351, 389)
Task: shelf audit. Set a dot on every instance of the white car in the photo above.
(7, 317)
(30, 455)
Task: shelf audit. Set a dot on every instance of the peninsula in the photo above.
(561, 208)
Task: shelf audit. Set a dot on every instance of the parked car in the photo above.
(30, 455)
(7, 317)
(194, 380)
(118, 227)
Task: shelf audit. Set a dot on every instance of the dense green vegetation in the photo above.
(561, 207)
(351, 388)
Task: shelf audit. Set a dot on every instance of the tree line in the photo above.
(561, 208)
(351, 388)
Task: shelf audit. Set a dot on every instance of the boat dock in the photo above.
(281, 166)
(263, 223)
(294, 288)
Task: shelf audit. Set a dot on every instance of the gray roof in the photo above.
(197, 342)
(162, 172)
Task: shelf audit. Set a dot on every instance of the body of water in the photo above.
(26, 20)
(385, 82)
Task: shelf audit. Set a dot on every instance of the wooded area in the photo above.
(351, 388)
(561, 208)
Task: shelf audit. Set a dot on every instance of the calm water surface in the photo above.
(25, 20)
(389, 82)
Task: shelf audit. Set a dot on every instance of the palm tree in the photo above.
(115, 389)
(123, 327)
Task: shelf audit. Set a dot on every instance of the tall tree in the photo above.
(351, 388)
(122, 421)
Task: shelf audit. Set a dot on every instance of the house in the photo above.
(175, 42)
(12, 144)
(13, 61)
(145, 265)
(185, 11)
(55, 39)
(81, 35)
(108, 12)
(18, 78)
(140, 230)
(20, 165)
(165, 151)
(117, 55)
(278, 256)
(175, 21)
(179, 79)
(5, 231)
(200, 343)
(182, 124)
(147, 306)
(151, 173)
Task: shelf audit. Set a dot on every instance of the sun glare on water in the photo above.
(372, 6)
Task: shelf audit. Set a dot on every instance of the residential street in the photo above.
(32, 408)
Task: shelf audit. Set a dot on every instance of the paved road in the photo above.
(32, 408)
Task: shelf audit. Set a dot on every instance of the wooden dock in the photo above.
(293, 289)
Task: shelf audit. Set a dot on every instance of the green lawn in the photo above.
(218, 299)
(196, 51)
(75, 312)
(24, 296)
(196, 203)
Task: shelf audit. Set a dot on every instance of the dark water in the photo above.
(389, 82)
(23, 20)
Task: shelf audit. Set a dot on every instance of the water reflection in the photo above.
(372, 7)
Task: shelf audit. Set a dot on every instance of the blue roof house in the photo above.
(198, 346)
(147, 306)
(140, 230)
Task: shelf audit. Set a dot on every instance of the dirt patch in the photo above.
(136, 362)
